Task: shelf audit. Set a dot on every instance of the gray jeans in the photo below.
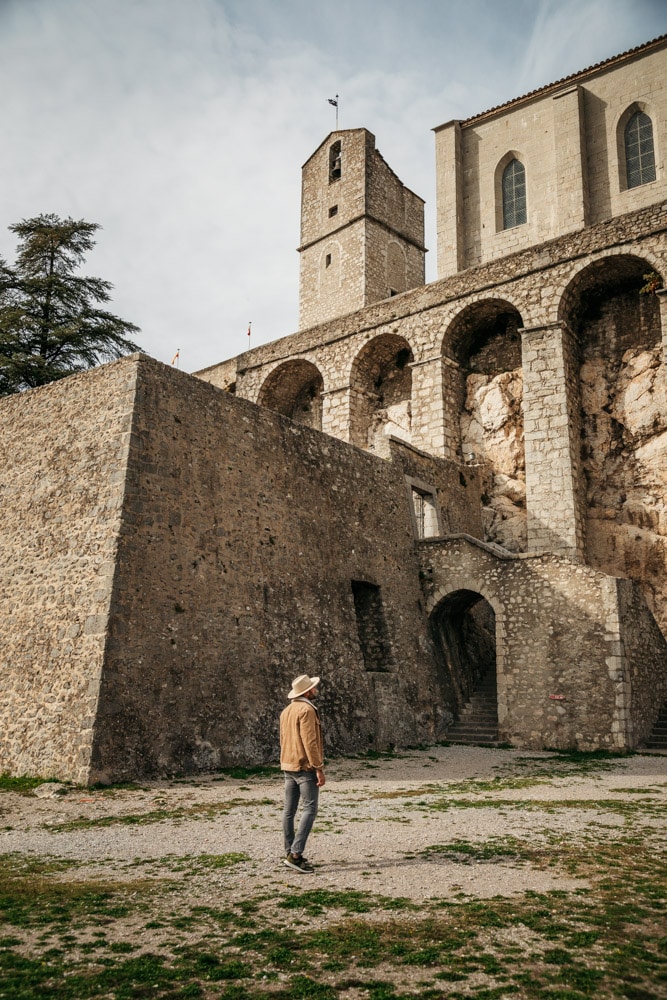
(299, 785)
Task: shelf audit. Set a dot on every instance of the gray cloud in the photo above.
(181, 127)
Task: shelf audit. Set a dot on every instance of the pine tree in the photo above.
(50, 321)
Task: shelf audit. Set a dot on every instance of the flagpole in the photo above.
(334, 101)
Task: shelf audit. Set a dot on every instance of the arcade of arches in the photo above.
(618, 393)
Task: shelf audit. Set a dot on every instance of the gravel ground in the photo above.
(376, 816)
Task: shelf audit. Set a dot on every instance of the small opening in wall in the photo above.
(425, 508)
(371, 626)
(335, 167)
(333, 211)
(327, 260)
(392, 292)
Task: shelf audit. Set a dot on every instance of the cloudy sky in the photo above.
(181, 127)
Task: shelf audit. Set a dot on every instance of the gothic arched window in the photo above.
(514, 195)
(639, 152)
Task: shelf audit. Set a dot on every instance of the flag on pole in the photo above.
(176, 356)
(334, 103)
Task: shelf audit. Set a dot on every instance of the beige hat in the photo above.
(302, 684)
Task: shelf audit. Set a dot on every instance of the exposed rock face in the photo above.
(492, 432)
(624, 402)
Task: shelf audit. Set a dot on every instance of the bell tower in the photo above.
(362, 230)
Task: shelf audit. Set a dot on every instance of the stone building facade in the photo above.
(537, 358)
(362, 231)
(414, 492)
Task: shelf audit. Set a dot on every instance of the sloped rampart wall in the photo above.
(63, 452)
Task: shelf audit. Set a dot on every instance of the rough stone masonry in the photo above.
(436, 487)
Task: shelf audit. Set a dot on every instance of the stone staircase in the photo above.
(478, 720)
(658, 738)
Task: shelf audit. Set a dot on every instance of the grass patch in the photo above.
(317, 901)
(63, 937)
(23, 785)
(497, 849)
(245, 773)
(597, 943)
(200, 810)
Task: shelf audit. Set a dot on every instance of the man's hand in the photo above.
(320, 777)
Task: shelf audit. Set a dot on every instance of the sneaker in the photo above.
(298, 864)
(288, 854)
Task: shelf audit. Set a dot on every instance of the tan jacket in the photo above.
(301, 746)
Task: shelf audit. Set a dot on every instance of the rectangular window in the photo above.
(372, 626)
(426, 515)
(327, 260)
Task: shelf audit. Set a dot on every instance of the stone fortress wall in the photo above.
(462, 480)
(174, 559)
(62, 484)
(513, 407)
(538, 360)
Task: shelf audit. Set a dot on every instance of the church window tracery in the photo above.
(514, 194)
(639, 150)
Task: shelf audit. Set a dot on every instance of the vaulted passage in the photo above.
(381, 393)
(623, 385)
(463, 627)
(295, 390)
(484, 342)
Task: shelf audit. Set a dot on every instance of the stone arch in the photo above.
(381, 393)
(483, 346)
(623, 385)
(463, 629)
(608, 274)
(295, 389)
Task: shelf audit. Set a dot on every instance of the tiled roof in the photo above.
(572, 78)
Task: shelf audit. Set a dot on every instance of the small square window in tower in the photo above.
(425, 509)
(372, 626)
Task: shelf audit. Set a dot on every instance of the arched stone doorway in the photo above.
(463, 628)
(485, 343)
(623, 384)
(381, 393)
(295, 390)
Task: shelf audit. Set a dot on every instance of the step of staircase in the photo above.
(478, 719)
(658, 738)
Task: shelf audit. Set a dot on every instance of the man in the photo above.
(301, 759)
